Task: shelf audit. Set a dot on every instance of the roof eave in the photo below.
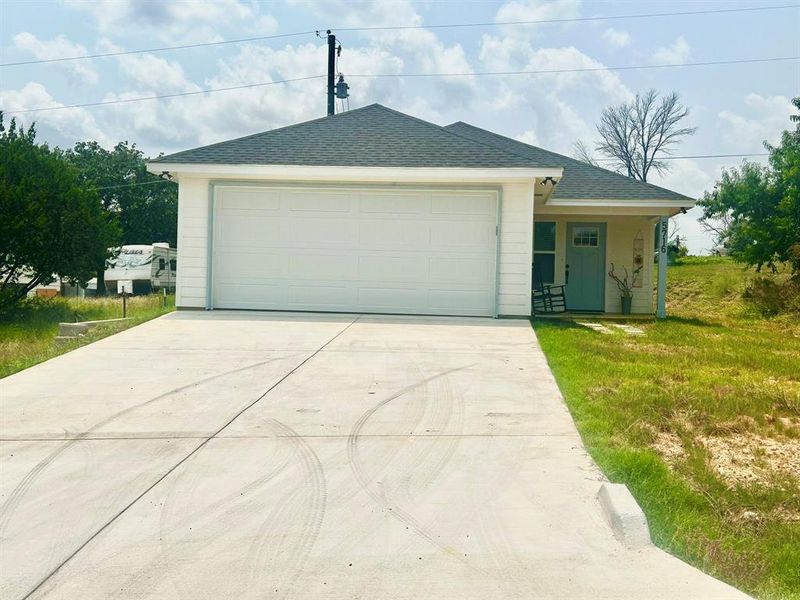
(622, 202)
(351, 173)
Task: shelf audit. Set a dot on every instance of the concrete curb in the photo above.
(71, 330)
(624, 515)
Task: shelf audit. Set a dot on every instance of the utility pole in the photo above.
(331, 69)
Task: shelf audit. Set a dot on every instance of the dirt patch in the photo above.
(746, 459)
(669, 446)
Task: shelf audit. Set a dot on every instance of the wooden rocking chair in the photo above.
(547, 299)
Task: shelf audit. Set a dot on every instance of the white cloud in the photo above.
(72, 123)
(553, 97)
(768, 117)
(617, 37)
(150, 73)
(194, 21)
(529, 137)
(678, 52)
(535, 10)
(58, 47)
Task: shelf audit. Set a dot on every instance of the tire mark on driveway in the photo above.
(194, 451)
(15, 497)
(366, 482)
(302, 509)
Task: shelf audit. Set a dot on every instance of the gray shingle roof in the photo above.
(376, 136)
(372, 136)
(580, 180)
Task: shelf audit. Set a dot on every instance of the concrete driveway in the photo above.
(252, 455)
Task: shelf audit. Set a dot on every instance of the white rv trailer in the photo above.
(151, 268)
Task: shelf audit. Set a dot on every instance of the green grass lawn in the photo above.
(27, 331)
(700, 418)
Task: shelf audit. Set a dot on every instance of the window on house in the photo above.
(162, 264)
(586, 237)
(173, 264)
(544, 251)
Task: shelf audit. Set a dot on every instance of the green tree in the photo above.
(51, 225)
(760, 206)
(144, 205)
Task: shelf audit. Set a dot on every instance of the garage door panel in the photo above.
(322, 266)
(393, 268)
(460, 300)
(251, 266)
(322, 232)
(247, 231)
(252, 295)
(394, 204)
(460, 270)
(249, 200)
(461, 204)
(393, 234)
(398, 299)
(355, 250)
(320, 204)
(313, 296)
(460, 235)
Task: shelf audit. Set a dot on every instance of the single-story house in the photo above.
(373, 210)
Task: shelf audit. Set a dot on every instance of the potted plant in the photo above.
(625, 285)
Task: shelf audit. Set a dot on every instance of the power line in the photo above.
(588, 69)
(402, 28)
(573, 19)
(694, 156)
(400, 75)
(137, 183)
(161, 96)
(159, 49)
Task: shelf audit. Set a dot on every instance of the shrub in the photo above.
(772, 296)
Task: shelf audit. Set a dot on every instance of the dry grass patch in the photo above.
(747, 459)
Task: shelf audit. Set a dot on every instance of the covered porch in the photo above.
(575, 248)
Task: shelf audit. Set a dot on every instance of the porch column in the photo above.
(661, 296)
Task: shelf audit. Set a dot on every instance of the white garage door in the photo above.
(355, 250)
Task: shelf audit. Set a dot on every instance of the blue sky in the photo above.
(735, 107)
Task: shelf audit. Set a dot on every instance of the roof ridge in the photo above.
(253, 135)
(453, 133)
(570, 159)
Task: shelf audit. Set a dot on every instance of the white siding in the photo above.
(620, 234)
(516, 250)
(192, 243)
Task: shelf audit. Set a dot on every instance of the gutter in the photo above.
(352, 174)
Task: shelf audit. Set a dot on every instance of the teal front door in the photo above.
(585, 273)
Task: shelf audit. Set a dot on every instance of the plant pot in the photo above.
(626, 304)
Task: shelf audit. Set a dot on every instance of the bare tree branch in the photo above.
(637, 134)
(583, 153)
